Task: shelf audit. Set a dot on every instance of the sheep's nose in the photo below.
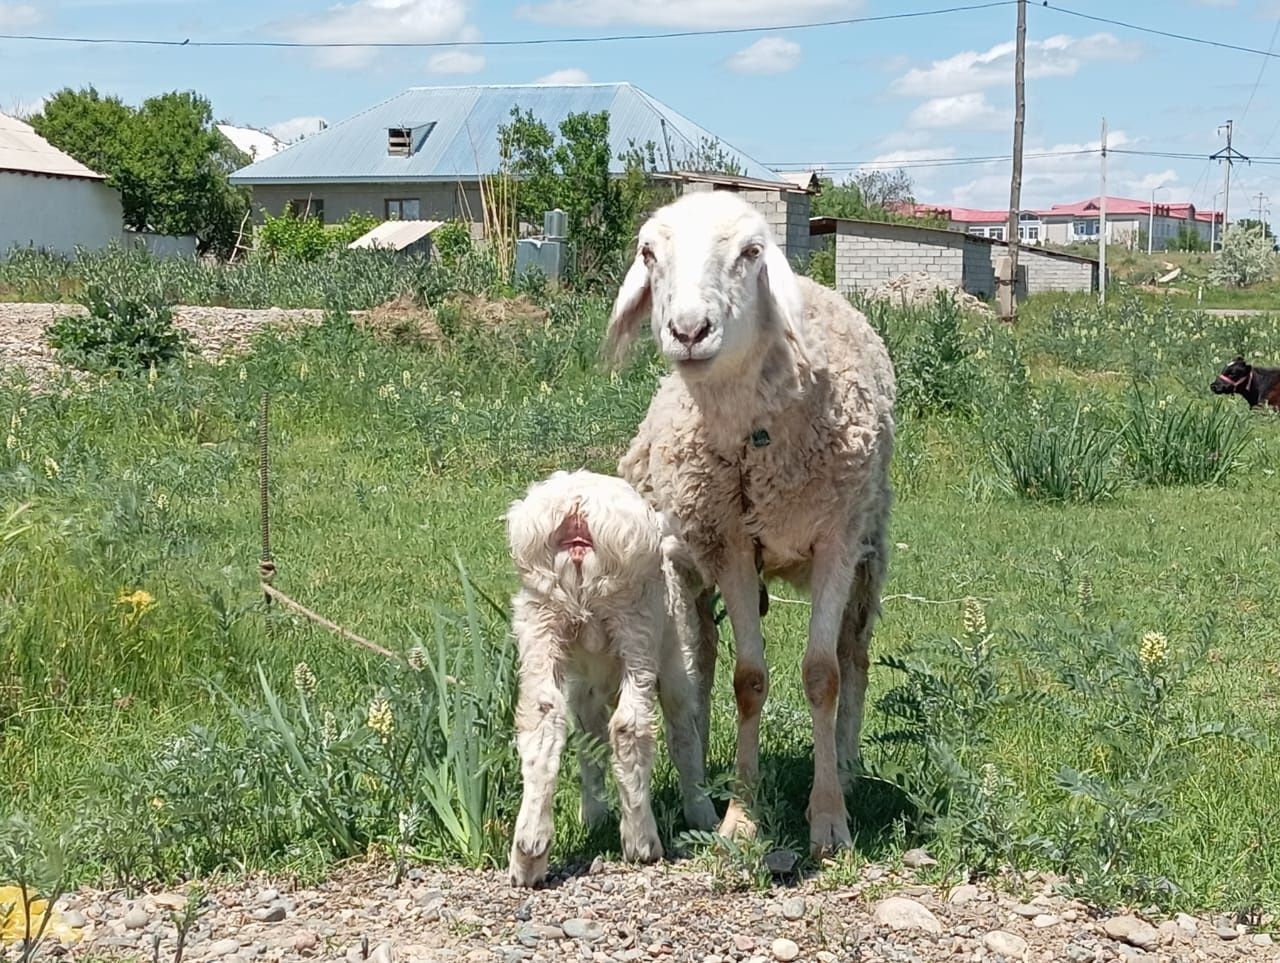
(686, 337)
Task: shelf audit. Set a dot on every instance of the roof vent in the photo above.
(399, 141)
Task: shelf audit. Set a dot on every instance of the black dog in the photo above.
(1258, 386)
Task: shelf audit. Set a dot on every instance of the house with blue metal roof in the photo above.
(421, 154)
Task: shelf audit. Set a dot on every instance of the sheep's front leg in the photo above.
(832, 580)
(740, 588)
(590, 698)
(632, 740)
(541, 724)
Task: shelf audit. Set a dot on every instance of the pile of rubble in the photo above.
(919, 290)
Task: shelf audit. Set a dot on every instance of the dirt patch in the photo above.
(919, 290)
(402, 320)
(497, 314)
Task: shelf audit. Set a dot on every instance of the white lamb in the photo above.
(595, 621)
(770, 445)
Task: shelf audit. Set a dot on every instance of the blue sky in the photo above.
(925, 88)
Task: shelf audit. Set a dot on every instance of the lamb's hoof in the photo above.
(525, 869)
(828, 832)
(641, 846)
(699, 813)
(736, 823)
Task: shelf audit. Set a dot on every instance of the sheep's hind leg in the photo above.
(854, 655)
(680, 715)
(541, 724)
(832, 580)
(740, 588)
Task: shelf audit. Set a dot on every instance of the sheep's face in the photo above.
(713, 282)
(575, 527)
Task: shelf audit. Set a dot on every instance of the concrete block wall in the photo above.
(868, 255)
(1043, 272)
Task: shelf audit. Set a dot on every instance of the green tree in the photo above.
(1247, 256)
(573, 173)
(167, 159)
(869, 196)
(1188, 239)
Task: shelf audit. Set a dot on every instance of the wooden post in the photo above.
(1015, 181)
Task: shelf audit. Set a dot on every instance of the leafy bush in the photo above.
(452, 242)
(307, 238)
(933, 358)
(120, 333)
(1171, 443)
(1053, 459)
(1247, 256)
(822, 266)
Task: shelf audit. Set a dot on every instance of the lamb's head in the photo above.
(576, 527)
(715, 284)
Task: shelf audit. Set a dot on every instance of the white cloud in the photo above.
(295, 128)
(1071, 172)
(569, 75)
(888, 159)
(455, 62)
(969, 111)
(970, 70)
(14, 15)
(1143, 186)
(768, 55)
(687, 14)
(378, 21)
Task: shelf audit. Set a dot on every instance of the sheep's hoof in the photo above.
(737, 824)
(699, 813)
(525, 869)
(642, 845)
(828, 832)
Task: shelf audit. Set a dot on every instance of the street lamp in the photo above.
(1151, 216)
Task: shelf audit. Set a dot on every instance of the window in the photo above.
(1028, 232)
(978, 231)
(995, 233)
(308, 207)
(399, 140)
(1085, 229)
(403, 209)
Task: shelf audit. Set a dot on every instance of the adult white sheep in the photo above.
(770, 444)
(597, 622)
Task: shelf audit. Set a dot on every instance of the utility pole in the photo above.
(1102, 223)
(1230, 155)
(1015, 181)
(1262, 199)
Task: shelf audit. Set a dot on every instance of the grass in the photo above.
(393, 464)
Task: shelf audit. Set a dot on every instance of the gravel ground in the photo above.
(609, 913)
(215, 330)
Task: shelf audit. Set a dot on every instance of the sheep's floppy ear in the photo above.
(630, 308)
(782, 294)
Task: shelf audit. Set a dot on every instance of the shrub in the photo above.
(1186, 443)
(120, 333)
(452, 242)
(822, 267)
(306, 238)
(1247, 256)
(1055, 458)
(932, 356)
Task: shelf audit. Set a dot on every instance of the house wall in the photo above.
(869, 254)
(57, 213)
(786, 211)
(438, 202)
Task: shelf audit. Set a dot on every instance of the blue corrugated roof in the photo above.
(464, 139)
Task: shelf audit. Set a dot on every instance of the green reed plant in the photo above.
(1182, 442)
(1057, 455)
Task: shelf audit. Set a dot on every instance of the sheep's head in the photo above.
(714, 283)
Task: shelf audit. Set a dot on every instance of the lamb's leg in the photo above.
(854, 654)
(680, 715)
(590, 698)
(832, 580)
(632, 740)
(740, 588)
(541, 723)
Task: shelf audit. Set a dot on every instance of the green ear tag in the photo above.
(759, 438)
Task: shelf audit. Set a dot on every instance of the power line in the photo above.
(525, 42)
(1262, 67)
(939, 161)
(1205, 41)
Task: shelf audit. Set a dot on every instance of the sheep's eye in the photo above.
(751, 251)
(646, 252)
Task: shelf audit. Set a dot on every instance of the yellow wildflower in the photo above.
(139, 603)
(975, 620)
(1153, 650)
(20, 912)
(51, 469)
(381, 719)
(304, 680)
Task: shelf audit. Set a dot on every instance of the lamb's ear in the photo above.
(782, 294)
(630, 309)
